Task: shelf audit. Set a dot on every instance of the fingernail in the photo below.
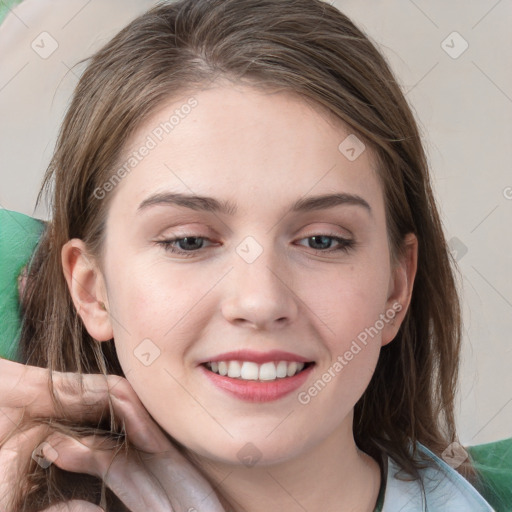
(49, 452)
(45, 454)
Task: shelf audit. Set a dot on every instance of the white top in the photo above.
(445, 490)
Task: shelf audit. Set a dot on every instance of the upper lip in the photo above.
(257, 357)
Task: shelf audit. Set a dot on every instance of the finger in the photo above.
(74, 506)
(142, 431)
(180, 478)
(10, 421)
(83, 397)
(22, 444)
(122, 472)
(15, 455)
(28, 387)
(91, 454)
(175, 480)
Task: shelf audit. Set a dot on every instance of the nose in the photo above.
(260, 294)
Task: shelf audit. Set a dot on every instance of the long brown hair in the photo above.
(303, 46)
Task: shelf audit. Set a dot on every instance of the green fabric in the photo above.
(19, 235)
(493, 462)
(6, 6)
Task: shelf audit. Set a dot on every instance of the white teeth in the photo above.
(282, 369)
(223, 368)
(268, 371)
(292, 368)
(248, 370)
(234, 369)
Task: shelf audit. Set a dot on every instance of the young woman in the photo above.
(243, 229)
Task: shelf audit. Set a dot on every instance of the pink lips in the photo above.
(258, 391)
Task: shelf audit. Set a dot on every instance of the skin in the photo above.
(261, 151)
(25, 396)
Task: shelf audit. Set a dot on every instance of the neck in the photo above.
(334, 476)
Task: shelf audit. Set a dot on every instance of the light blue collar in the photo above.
(445, 490)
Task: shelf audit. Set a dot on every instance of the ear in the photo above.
(87, 287)
(400, 288)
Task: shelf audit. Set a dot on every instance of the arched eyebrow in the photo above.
(210, 204)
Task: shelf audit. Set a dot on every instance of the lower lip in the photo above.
(258, 391)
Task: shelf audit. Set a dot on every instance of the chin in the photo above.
(244, 452)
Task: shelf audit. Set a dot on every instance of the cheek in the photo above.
(349, 298)
(155, 311)
(350, 308)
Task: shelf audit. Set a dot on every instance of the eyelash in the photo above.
(345, 245)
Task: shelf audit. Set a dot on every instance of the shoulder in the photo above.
(493, 463)
(439, 488)
(19, 235)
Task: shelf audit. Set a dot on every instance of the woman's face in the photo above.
(249, 276)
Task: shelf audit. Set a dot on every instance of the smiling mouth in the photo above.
(250, 371)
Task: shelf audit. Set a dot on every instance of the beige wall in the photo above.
(464, 106)
(463, 103)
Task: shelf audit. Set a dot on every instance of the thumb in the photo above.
(74, 506)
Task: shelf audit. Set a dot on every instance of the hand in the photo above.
(24, 395)
(152, 475)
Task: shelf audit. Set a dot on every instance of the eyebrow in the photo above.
(210, 204)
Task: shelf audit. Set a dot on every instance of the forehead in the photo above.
(247, 145)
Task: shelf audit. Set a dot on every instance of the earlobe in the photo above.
(400, 288)
(87, 288)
